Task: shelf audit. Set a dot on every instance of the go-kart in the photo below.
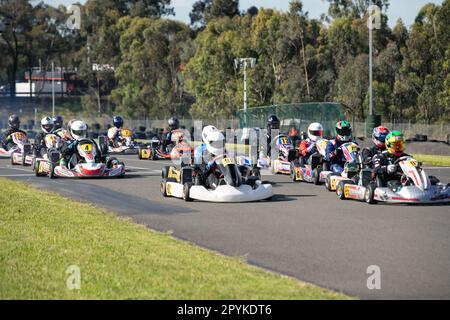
(125, 145)
(310, 172)
(189, 184)
(174, 150)
(19, 152)
(413, 186)
(90, 164)
(286, 153)
(52, 143)
(352, 166)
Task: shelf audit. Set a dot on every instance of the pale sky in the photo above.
(405, 9)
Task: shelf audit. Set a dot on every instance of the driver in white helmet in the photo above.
(213, 146)
(308, 146)
(39, 143)
(78, 131)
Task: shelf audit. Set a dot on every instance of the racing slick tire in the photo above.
(186, 189)
(165, 172)
(340, 188)
(292, 173)
(316, 176)
(154, 156)
(52, 174)
(12, 159)
(369, 194)
(164, 188)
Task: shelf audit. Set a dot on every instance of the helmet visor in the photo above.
(397, 146)
(317, 133)
(80, 133)
(345, 131)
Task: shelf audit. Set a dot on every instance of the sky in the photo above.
(404, 9)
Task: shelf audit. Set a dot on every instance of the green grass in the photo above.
(433, 160)
(42, 234)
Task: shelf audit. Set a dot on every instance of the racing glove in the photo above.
(392, 168)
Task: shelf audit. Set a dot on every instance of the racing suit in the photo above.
(205, 168)
(334, 156)
(368, 155)
(384, 172)
(69, 153)
(114, 137)
(307, 149)
(5, 139)
(39, 147)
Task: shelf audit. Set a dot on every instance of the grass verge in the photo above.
(42, 234)
(432, 160)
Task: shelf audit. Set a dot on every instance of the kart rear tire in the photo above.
(12, 159)
(369, 194)
(316, 176)
(256, 173)
(186, 190)
(292, 173)
(341, 187)
(164, 188)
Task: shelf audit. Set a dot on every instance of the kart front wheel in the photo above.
(186, 191)
(316, 176)
(369, 195)
(164, 187)
(328, 182)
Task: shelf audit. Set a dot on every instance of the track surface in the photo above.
(304, 232)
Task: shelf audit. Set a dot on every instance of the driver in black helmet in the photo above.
(273, 130)
(13, 127)
(58, 122)
(174, 124)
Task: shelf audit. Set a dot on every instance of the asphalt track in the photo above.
(304, 232)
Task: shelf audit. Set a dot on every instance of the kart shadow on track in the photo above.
(285, 198)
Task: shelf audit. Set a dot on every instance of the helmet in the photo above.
(57, 122)
(118, 122)
(379, 135)
(174, 123)
(14, 121)
(273, 123)
(395, 143)
(47, 124)
(213, 139)
(78, 130)
(315, 131)
(343, 131)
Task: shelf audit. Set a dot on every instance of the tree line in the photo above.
(152, 66)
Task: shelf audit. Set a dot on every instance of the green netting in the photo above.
(297, 116)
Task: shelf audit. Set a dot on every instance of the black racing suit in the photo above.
(368, 154)
(380, 173)
(39, 147)
(5, 139)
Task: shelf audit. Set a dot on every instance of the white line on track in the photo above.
(9, 167)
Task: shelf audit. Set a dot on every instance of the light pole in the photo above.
(371, 26)
(245, 62)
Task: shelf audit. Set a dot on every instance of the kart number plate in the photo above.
(284, 140)
(227, 161)
(169, 189)
(347, 191)
(86, 147)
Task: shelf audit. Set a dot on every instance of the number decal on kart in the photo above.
(227, 161)
(284, 140)
(347, 191)
(86, 147)
(333, 184)
(169, 189)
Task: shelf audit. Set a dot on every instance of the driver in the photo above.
(334, 156)
(58, 122)
(308, 146)
(384, 167)
(379, 135)
(47, 126)
(114, 137)
(273, 126)
(213, 146)
(174, 124)
(69, 155)
(13, 127)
